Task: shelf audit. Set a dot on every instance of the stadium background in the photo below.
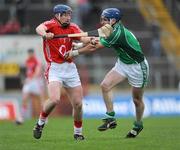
(154, 22)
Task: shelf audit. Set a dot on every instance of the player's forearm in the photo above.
(85, 40)
(87, 49)
(79, 51)
(41, 30)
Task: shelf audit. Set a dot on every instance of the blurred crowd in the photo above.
(17, 17)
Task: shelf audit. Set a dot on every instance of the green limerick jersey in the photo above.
(125, 44)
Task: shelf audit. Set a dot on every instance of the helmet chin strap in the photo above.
(110, 21)
(64, 25)
(59, 16)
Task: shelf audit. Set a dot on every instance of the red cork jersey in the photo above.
(55, 49)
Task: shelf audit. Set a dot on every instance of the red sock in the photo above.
(43, 115)
(78, 124)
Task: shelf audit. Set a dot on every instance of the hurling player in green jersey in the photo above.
(131, 64)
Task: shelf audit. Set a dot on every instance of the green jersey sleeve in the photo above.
(112, 39)
(125, 44)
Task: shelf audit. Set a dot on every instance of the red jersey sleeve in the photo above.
(49, 24)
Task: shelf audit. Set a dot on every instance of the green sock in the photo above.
(138, 123)
(111, 114)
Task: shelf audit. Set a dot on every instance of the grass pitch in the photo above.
(160, 133)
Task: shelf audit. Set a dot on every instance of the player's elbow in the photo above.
(40, 29)
(37, 29)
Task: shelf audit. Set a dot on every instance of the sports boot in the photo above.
(37, 131)
(137, 128)
(109, 123)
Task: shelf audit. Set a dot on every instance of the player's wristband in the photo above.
(78, 45)
(75, 53)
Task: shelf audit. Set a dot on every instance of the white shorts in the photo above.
(65, 73)
(137, 74)
(34, 86)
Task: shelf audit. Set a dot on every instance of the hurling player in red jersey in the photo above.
(60, 72)
(33, 87)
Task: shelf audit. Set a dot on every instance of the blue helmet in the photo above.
(60, 8)
(111, 13)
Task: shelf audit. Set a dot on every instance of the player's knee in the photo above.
(104, 87)
(78, 106)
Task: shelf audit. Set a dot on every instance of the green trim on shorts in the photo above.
(144, 69)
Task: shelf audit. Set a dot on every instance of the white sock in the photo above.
(78, 130)
(41, 121)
